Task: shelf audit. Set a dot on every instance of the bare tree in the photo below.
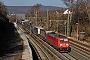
(80, 8)
(3, 9)
(35, 8)
(81, 14)
(69, 3)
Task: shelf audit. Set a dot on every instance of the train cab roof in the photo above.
(49, 32)
(61, 36)
(55, 34)
(38, 27)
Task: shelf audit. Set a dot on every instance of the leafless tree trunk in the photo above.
(3, 9)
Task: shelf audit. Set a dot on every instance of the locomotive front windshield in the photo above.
(63, 40)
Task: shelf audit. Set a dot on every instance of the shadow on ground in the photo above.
(10, 41)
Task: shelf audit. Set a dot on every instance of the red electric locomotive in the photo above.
(59, 41)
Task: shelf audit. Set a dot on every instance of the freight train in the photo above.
(58, 41)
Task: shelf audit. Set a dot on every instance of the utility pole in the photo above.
(36, 18)
(50, 23)
(57, 26)
(65, 28)
(69, 19)
(68, 24)
(77, 30)
(47, 20)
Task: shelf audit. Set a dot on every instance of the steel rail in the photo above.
(81, 52)
(63, 56)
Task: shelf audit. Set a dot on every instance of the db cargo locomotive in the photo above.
(58, 41)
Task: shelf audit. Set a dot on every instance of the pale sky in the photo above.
(57, 3)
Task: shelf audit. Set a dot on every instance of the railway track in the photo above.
(81, 51)
(47, 52)
(42, 50)
(87, 48)
(56, 54)
(41, 53)
(46, 49)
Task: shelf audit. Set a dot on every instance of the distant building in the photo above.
(67, 11)
(20, 16)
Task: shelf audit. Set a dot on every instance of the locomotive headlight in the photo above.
(60, 44)
(67, 44)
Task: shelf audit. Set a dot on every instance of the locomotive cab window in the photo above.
(63, 40)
